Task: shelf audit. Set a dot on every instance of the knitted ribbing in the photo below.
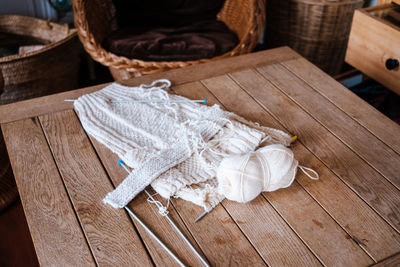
(180, 143)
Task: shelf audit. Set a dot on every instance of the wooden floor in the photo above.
(16, 247)
(350, 217)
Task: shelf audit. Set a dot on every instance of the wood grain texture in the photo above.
(380, 240)
(48, 211)
(362, 224)
(370, 45)
(54, 103)
(356, 137)
(359, 110)
(148, 213)
(261, 224)
(109, 231)
(382, 196)
(218, 236)
(321, 233)
(328, 242)
(389, 262)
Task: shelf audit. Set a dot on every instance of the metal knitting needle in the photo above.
(201, 216)
(121, 163)
(154, 236)
(149, 101)
(294, 138)
(157, 101)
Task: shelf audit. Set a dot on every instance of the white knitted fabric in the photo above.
(175, 147)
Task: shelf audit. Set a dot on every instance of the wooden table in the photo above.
(350, 217)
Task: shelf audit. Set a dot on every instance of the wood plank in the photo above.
(328, 242)
(148, 213)
(261, 224)
(54, 103)
(316, 228)
(374, 235)
(109, 231)
(362, 112)
(48, 211)
(356, 137)
(380, 240)
(392, 261)
(367, 183)
(270, 234)
(222, 244)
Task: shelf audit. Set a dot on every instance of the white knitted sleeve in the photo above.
(138, 179)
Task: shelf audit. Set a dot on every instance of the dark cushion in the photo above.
(204, 39)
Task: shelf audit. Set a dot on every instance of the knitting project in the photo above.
(169, 142)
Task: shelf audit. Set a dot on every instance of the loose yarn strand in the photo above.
(306, 172)
(166, 84)
(163, 210)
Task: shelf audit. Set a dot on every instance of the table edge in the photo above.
(53, 103)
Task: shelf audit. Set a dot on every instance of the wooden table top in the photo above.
(350, 217)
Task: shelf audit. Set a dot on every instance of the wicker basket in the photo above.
(96, 19)
(317, 29)
(52, 69)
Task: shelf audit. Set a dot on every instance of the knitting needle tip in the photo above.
(201, 216)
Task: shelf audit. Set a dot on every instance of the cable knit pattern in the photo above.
(176, 147)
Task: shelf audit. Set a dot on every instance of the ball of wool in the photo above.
(243, 177)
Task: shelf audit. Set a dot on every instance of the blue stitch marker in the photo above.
(205, 100)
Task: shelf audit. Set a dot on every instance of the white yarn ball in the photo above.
(240, 177)
(243, 177)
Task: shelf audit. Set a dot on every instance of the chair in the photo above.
(95, 20)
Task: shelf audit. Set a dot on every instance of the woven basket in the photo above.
(52, 69)
(96, 19)
(317, 29)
